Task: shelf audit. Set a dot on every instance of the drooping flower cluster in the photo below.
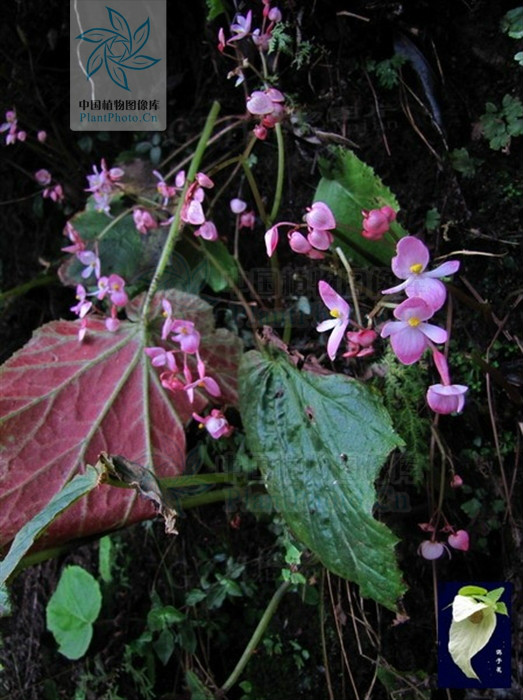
(320, 222)
(54, 191)
(241, 28)
(433, 548)
(410, 335)
(265, 104)
(192, 210)
(10, 126)
(268, 107)
(246, 219)
(111, 286)
(174, 378)
(103, 184)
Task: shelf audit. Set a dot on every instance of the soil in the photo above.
(336, 98)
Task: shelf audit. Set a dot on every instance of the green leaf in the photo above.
(472, 590)
(79, 486)
(164, 646)
(72, 609)
(214, 9)
(320, 441)
(512, 23)
(349, 186)
(196, 688)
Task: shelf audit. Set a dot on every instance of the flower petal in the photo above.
(408, 345)
(410, 251)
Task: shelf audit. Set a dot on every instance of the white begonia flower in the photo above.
(473, 624)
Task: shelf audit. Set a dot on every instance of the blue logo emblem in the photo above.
(118, 49)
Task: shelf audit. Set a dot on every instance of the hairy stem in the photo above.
(174, 230)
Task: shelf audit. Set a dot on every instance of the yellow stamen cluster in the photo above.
(414, 322)
(335, 313)
(416, 268)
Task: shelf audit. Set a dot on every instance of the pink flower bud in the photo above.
(431, 550)
(247, 220)
(275, 14)
(375, 224)
(260, 132)
(271, 240)
(238, 206)
(43, 177)
(460, 540)
(207, 231)
(204, 181)
(321, 240)
(320, 217)
(41, 136)
(298, 243)
(456, 481)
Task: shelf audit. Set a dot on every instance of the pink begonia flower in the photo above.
(144, 220)
(247, 220)
(56, 193)
(102, 184)
(170, 381)
(204, 181)
(445, 398)
(221, 40)
(260, 132)
(116, 291)
(321, 240)
(192, 213)
(237, 206)
(203, 382)
(459, 540)
(241, 27)
(259, 103)
(215, 423)
(83, 307)
(75, 238)
(339, 310)
(431, 550)
(92, 262)
(456, 482)
(83, 329)
(186, 335)
(410, 335)
(43, 177)
(360, 343)
(207, 231)
(160, 357)
(166, 191)
(42, 136)
(300, 244)
(112, 323)
(320, 217)
(409, 264)
(320, 220)
(167, 313)
(271, 240)
(376, 222)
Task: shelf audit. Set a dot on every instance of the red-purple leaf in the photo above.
(63, 402)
